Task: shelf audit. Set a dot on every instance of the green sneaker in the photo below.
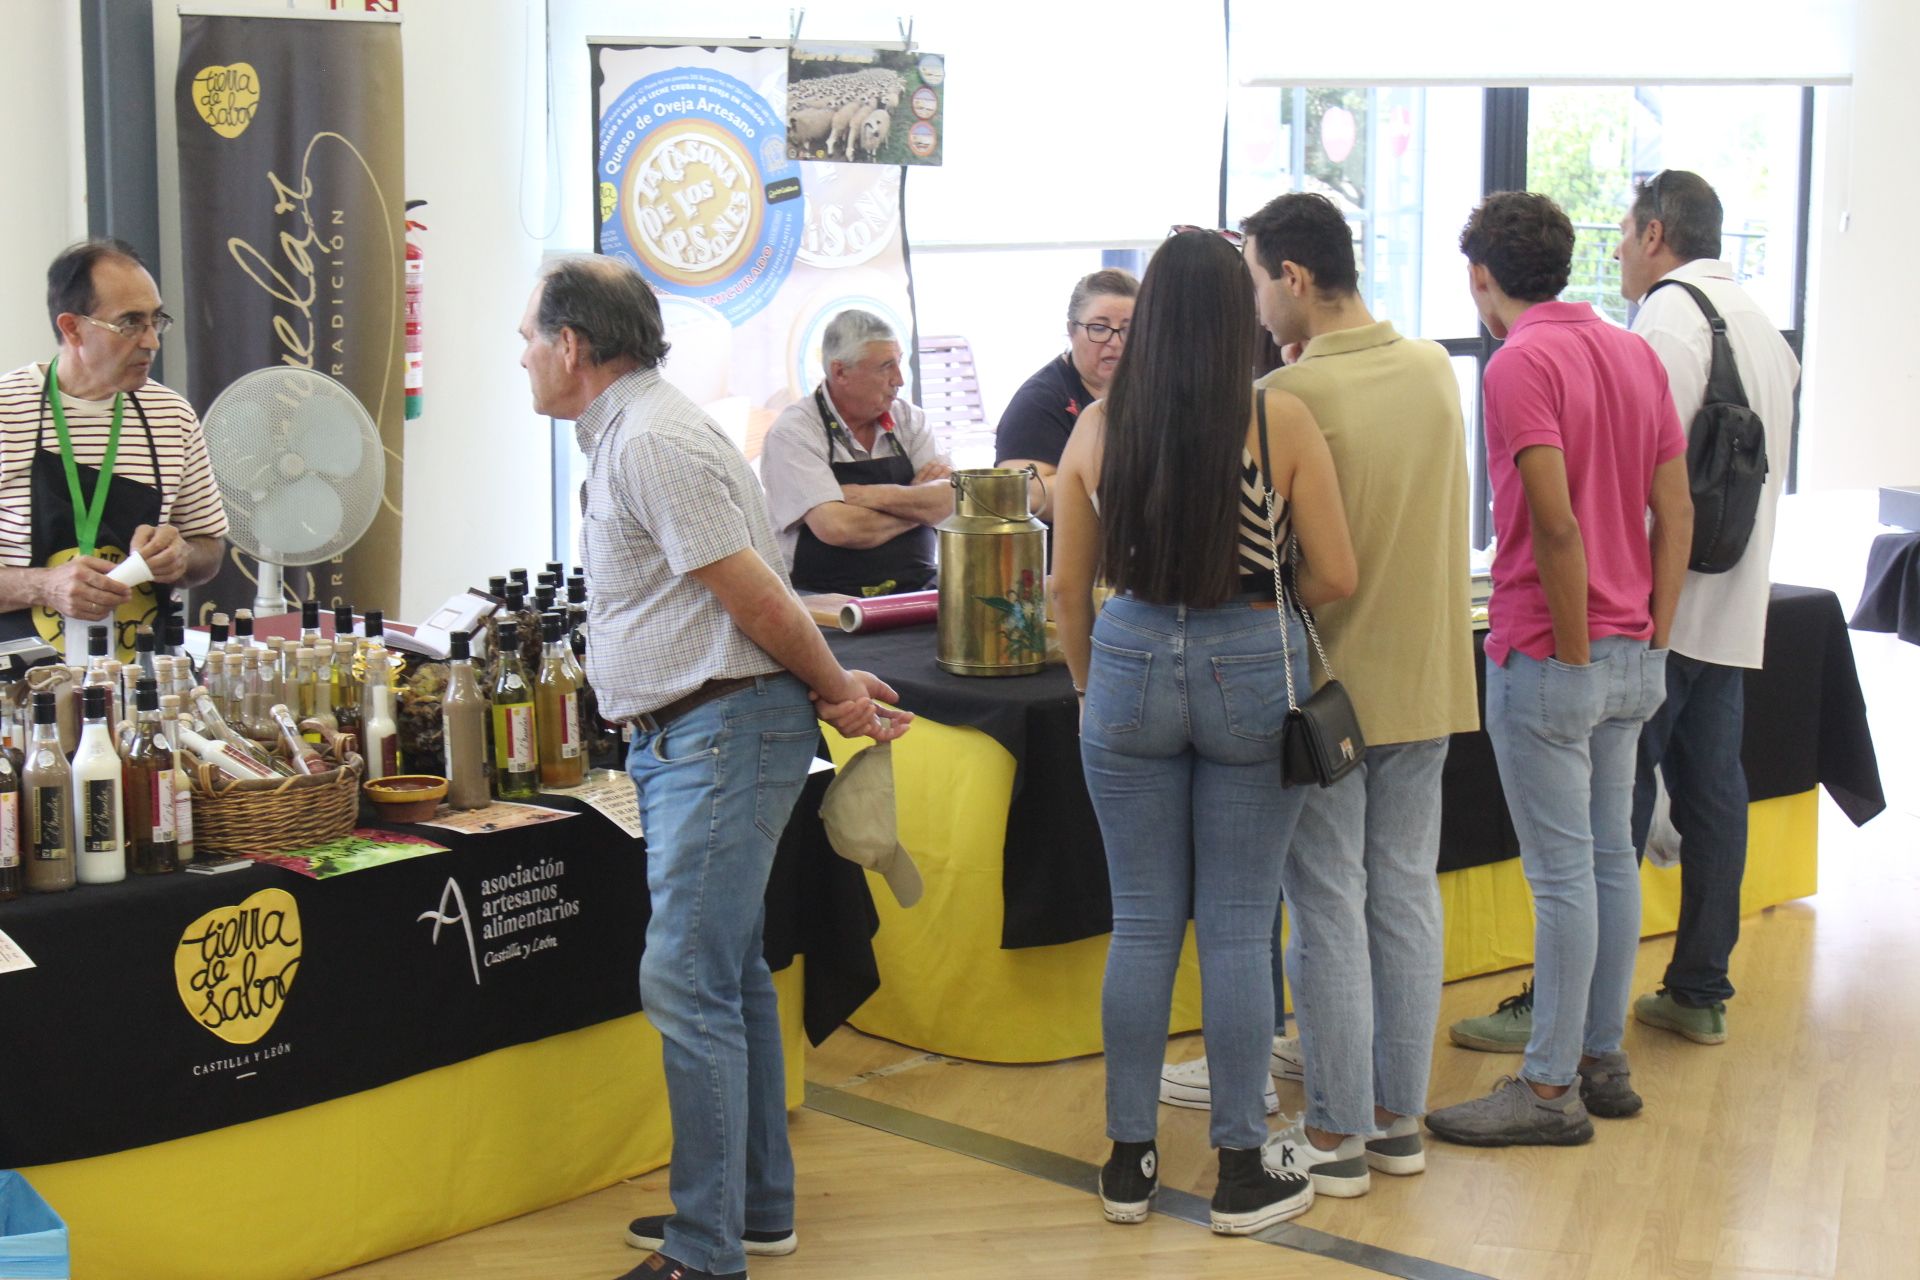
(1506, 1030)
(1702, 1026)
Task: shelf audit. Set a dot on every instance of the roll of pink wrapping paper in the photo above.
(883, 613)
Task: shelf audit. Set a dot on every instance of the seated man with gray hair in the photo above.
(853, 475)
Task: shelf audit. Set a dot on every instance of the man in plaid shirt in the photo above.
(698, 642)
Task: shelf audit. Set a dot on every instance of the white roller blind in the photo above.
(1545, 42)
(1072, 123)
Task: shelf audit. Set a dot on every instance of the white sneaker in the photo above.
(1185, 1084)
(1398, 1149)
(1341, 1172)
(1288, 1064)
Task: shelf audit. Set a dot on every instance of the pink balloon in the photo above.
(1337, 133)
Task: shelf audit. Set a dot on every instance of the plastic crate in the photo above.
(33, 1240)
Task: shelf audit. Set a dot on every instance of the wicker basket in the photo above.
(274, 815)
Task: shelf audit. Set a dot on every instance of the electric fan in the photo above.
(300, 467)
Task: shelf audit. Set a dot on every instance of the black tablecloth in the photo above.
(106, 1044)
(1891, 599)
(1806, 726)
(1054, 875)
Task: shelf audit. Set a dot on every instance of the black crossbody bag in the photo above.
(1321, 742)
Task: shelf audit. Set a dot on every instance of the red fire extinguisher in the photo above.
(415, 292)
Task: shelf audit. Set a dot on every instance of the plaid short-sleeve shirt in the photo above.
(667, 492)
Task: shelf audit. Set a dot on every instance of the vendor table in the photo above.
(290, 1075)
(1890, 600)
(1002, 959)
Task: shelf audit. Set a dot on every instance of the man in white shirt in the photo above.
(1672, 232)
(853, 476)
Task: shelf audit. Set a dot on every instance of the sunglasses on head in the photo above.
(1233, 238)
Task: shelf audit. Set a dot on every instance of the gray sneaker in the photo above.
(1606, 1087)
(1514, 1115)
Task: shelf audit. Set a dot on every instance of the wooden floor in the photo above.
(1792, 1150)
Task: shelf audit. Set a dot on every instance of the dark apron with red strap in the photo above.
(129, 504)
(906, 562)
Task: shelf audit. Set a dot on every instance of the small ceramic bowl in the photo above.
(407, 797)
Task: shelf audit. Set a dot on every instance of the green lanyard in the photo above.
(86, 514)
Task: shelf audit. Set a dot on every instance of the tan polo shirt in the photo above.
(1402, 644)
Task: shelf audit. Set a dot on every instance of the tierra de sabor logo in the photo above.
(235, 965)
(227, 97)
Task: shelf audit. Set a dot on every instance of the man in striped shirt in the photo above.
(121, 464)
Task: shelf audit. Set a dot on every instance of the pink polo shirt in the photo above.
(1567, 379)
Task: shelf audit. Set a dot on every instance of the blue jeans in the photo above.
(1565, 739)
(1694, 740)
(1362, 887)
(1181, 746)
(715, 790)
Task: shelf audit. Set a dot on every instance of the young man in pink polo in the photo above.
(1582, 444)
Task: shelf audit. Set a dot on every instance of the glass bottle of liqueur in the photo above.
(67, 701)
(97, 650)
(519, 576)
(13, 735)
(343, 687)
(526, 625)
(256, 695)
(306, 760)
(303, 696)
(143, 650)
(12, 877)
(243, 628)
(217, 633)
(563, 755)
(463, 728)
(146, 775)
(216, 678)
(342, 620)
(309, 621)
(100, 856)
(543, 598)
(558, 570)
(130, 678)
(182, 785)
(516, 761)
(273, 665)
(223, 757)
(47, 782)
(375, 625)
(378, 726)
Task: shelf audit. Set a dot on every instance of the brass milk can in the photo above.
(993, 562)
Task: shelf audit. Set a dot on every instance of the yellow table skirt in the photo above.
(947, 987)
(326, 1187)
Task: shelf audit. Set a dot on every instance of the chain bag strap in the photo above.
(1321, 742)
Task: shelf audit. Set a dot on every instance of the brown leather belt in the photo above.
(660, 717)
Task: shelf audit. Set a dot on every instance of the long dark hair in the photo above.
(1176, 422)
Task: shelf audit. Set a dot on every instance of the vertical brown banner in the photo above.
(291, 212)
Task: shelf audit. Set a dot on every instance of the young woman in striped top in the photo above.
(1161, 494)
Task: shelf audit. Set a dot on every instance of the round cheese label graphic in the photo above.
(701, 204)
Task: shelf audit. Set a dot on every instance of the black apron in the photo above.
(129, 505)
(907, 562)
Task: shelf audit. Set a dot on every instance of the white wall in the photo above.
(1860, 406)
(477, 495)
(45, 208)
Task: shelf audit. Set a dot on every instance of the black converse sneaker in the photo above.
(1251, 1197)
(650, 1232)
(1128, 1180)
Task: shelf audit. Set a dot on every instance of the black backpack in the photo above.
(1726, 455)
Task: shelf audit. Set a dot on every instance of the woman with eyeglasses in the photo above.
(1161, 493)
(1034, 429)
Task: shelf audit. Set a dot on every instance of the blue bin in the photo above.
(33, 1240)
